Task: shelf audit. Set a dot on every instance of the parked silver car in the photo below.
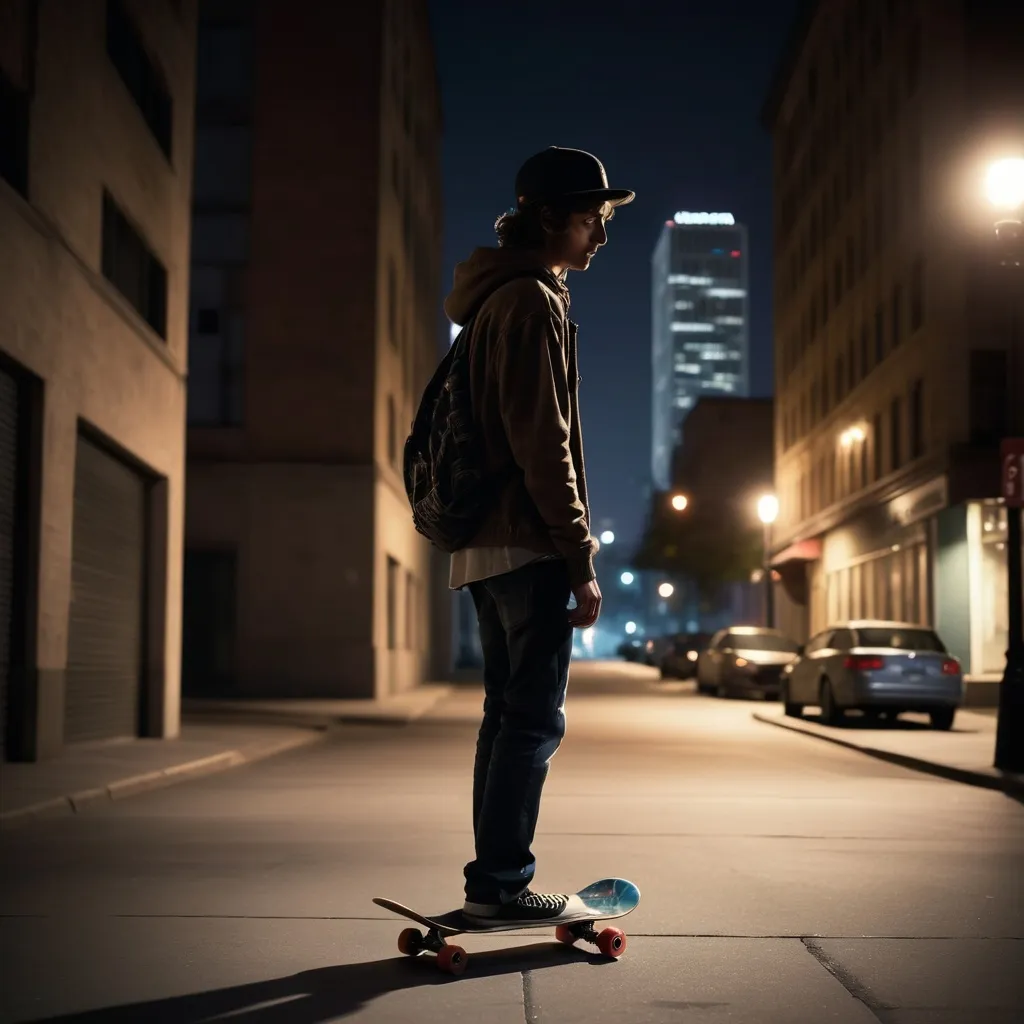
(744, 659)
(875, 667)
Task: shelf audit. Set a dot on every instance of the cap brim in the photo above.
(615, 196)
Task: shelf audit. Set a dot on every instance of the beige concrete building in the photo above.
(95, 186)
(315, 268)
(897, 366)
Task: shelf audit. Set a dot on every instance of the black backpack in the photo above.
(448, 488)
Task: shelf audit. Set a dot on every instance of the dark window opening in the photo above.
(917, 420)
(208, 321)
(13, 135)
(876, 444)
(128, 55)
(989, 396)
(130, 266)
(895, 434)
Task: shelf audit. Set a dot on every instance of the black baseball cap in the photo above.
(557, 173)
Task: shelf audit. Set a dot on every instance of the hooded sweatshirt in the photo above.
(524, 388)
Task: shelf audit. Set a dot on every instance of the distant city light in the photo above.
(666, 590)
(679, 502)
(686, 217)
(694, 279)
(631, 627)
(626, 578)
(691, 326)
(734, 253)
(607, 537)
(726, 293)
(1004, 183)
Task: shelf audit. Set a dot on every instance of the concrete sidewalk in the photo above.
(215, 735)
(964, 754)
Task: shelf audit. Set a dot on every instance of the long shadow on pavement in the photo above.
(326, 993)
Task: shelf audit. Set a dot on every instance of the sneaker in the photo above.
(527, 906)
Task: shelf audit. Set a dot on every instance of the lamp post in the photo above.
(1005, 188)
(767, 512)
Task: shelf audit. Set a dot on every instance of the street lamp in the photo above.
(679, 502)
(767, 512)
(631, 627)
(626, 578)
(666, 590)
(607, 537)
(1004, 185)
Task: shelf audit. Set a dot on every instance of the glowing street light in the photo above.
(767, 508)
(666, 590)
(607, 537)
(851, 436)
(679, 502)
(1004, 183)
(626, 578)
(631, 627)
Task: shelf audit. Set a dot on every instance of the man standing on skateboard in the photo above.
(534, 549)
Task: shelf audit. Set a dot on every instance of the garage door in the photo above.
(105, 639)
(8, 470)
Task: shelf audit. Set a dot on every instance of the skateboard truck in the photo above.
(454, 959)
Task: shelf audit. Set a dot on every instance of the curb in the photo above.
(1009, 784)
(120, 789)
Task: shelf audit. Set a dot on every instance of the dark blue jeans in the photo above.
(527, 645)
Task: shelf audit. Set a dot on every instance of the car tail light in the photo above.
(951, 667)
(863, 662)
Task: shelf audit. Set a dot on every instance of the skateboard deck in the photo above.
(604, 900)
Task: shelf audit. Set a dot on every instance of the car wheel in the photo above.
(942, 718)
(831, 714)
(792, 709)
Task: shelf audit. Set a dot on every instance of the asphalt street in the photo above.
(783, 880)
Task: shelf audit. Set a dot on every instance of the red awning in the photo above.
(801, 551)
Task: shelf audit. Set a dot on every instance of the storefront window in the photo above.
(989, 612)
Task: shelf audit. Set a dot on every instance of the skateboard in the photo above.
(605, 900)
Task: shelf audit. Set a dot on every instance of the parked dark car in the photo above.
(631, 650)
(744, 660)
(679, 661)
(875, 667)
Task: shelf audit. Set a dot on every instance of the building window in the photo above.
(130, 266)
(876, 444)
(216, 347)
(917, 295)
(840, 382)
(917, 419)
(140, 76)
(392, 603)
(410, 612)
(13, 135)
(895, 434)
(863, 464)
(392, 428)
(392, 302)
(851, 362)
(988, 396)
(897, 315)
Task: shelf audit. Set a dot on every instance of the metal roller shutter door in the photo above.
(9, 412)
(105, 633)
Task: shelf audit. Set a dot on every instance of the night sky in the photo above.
(667, 95)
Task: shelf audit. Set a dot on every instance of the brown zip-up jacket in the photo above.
(524, 387)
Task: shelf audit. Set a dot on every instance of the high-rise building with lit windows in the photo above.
(699, 323)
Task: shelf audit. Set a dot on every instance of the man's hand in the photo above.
(588, 605)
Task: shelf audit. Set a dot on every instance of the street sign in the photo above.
(1012, 460)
